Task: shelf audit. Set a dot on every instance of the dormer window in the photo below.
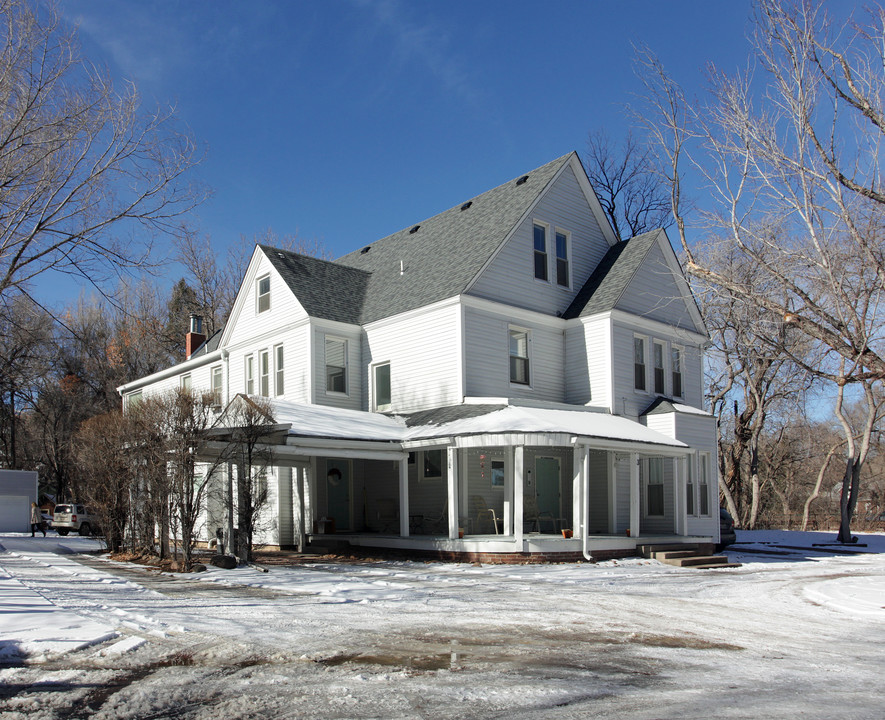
(336, 365)
(540, 234)
(263, 288)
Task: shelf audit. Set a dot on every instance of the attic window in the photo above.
(522, 179)
(466, 205)
(414, 230)
(365, 249)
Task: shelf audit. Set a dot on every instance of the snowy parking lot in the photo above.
(797, 630)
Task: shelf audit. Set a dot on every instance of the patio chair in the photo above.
(481, 515)
(534, 520)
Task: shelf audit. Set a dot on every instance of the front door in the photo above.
(338, 482)
(547, 491)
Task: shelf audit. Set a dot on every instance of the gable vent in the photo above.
(522, 179)
(466, 205)
(365, 249)
(414, 230)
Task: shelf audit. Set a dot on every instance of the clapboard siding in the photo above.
(588, 362)
(598, 495)
(630, 402)
(487, 357)
(510, 278)
(295, 339)
(352, 399)
(654, 293)
(424, 352)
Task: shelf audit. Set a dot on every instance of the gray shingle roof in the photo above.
(414, 267)
(607, 283)
(450, 413)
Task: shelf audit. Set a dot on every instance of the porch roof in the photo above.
(319, 421)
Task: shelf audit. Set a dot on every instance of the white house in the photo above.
(478, 382)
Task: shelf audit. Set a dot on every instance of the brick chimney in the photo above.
(195, 336)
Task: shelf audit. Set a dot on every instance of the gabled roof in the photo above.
(664, 405)
(610, 279)
(439, 257)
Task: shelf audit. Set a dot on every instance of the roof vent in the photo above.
(279, 254)
(466, 205)
(365, 249)
(414, 230)
(522, 179)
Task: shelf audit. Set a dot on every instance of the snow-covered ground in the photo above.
(795, 631)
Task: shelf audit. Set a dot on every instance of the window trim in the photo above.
(264, 372)
(680, 353)
(656, 481)
(326, 340)
(279, 370)
(536, 224)
(216, 371)
(690, 499)
(568, 257)
(704, 504)
(249, 373)
(379, 407)
(260, 296)
(186, 381)
(655, 344)
(644, 340)
(424, 454)
(511, 330)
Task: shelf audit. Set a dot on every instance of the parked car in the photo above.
(727, 535)
(74, 517)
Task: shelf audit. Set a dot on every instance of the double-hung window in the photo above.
(250, 374)
(263, 293)
(216, 386)
(186, 382)
(540, 237)
(519, 357)
(658, 352)
(676, 370)
(562, 268)
(382, 387)
(639, 363)
(279, 368)
(336, 365)
(689, 486)
(655, 488)
(264, 373)
(703, 484)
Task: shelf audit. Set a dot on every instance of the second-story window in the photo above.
(186, 382)
(336, 365)
(264, 373)
(540, 235)
(562, 269)
(216, 385)
(263, 288)
(279, 380)
(250, 374)
(639, 363)
(676, 370)
(658, 351)
(519, 357)
(382, 387)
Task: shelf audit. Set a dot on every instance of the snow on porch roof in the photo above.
(337, 423)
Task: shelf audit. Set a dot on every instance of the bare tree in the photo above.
(795, 178)
(625, 180)
(82, 166)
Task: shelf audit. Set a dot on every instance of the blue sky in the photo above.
(346, 120)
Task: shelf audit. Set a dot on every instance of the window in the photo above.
(382, 387)
(658, 350)
(186, 382)
(263, 293)
(655, 488)
(676, 370)
(216, 385)
(689, 487)
(432, 464)
(519, 357)
(639, 363)
(132, 399)
(250, 375)
(264, 373)
(562, 270)
(703, 485)
(336, 365)
(540, 233)
(279, 380)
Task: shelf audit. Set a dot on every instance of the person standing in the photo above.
(36, 520)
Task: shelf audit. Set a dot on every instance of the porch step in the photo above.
(685, 556)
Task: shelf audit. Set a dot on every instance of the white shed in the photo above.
(18, 489)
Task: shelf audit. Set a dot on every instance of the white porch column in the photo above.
(285, 506)
(313, 489)
(634, 494)
(518, 489)
(679, 475)
(404, 497)
(612, 462)
(452, 481)
(580, 470)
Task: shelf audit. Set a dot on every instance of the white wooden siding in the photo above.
(424, 352)
(654, 293)
(588, 362)
(352, 399)
(510, 277)
(598, 499)
(487, 357)
(295, 339)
